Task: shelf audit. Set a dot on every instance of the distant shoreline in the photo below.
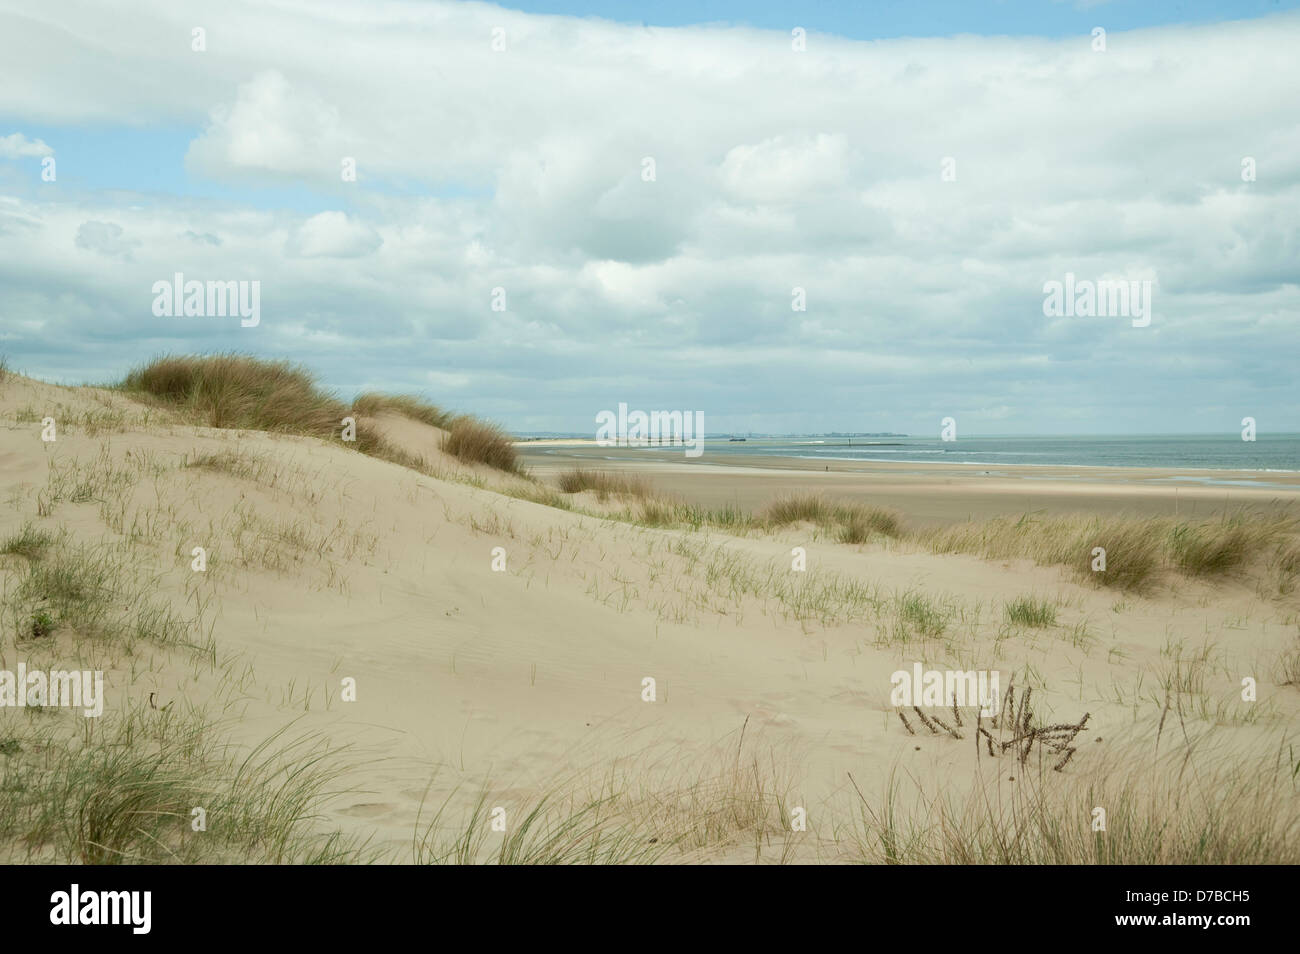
(792, 462)
(932, 492)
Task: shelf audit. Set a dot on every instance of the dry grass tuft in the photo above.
(1287, 667)
(1137, 550)
(240, 391)
(30, 542)
(653, 808)
(1196, 805)
(798, 508)
(860, 523)
(245, 392)
(603, 483)
(416, 408)
(479, 442)
(851, 523)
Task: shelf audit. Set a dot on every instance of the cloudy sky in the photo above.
(650, 183)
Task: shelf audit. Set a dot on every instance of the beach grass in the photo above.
(124, 787)
(480, 442)
(407, 405)
(1130, 553)
(1030, 611)
(603, 483)
(1197, 804)
(244, 392)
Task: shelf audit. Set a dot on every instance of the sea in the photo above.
(1267, 453)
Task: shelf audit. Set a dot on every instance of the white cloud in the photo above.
(523, 170)
(781, 168)
(18, 146)
(272, 127)
(332, 235)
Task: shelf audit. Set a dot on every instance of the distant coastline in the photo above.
(1184, 455)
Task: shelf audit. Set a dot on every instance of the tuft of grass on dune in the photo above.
(1215, 549)
(917, 615)
(654, 808)
(655, 512)
(98, 593)
(603, 483)
(859, 523)
(416, 408)
(241, 392)
(243, 465)
(798, 508)
(851, 523)
(666, 512)
(1031, 611)
(1136, 550)
(129, 794)
(30, 542)
(476, 441)
(245, 392)
(1287, 666)
(122, 787)
(1223, 810)
(1285, 564)
(539, 493)
(552, 829)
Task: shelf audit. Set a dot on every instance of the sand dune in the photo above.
(478, 687)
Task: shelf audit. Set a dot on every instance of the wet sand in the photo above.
(931, 494)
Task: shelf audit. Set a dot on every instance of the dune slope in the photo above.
(441, 649)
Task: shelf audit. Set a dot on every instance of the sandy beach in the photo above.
(931, 494)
